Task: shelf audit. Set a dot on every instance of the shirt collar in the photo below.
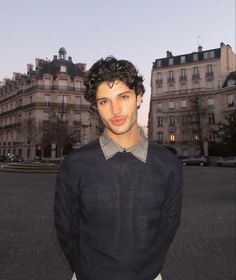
(110, 147)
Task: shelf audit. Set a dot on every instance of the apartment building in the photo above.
(43, 113)
(190, 94)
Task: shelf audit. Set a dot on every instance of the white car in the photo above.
(227, 161)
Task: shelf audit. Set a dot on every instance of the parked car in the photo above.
(15, 158)
(227, 161)
(182, 157)
(195, 160)
(3, 158)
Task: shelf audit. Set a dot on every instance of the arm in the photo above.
(66, 212)
(171, 212)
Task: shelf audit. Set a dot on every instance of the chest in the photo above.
(126, 185)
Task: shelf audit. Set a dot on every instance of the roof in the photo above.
(230, 80)
(189, 58)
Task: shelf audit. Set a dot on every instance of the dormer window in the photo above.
(159, 63)
(171, 61)
(63, 69)
(182, 59)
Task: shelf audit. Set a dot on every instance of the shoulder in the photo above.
(163, 155)
(83, 153)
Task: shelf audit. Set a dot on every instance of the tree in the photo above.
(59, 131)
(29, 130)
(194, 122)
(227, 131)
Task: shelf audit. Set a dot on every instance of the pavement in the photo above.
(204, 247)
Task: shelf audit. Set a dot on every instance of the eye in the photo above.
(102, 102)
(124, 96)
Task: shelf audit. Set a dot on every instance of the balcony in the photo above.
(182, 78)
(209, 76)
(170, 80)
(159, 82)
(196, 77)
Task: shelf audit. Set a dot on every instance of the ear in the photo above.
(139, 100)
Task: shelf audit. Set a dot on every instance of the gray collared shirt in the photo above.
(110, 147)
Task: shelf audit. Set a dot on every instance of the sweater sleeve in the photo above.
(170, 218)
(66, 212)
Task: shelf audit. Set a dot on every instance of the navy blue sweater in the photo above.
(116, 218)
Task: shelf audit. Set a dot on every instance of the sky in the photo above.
(137, 30)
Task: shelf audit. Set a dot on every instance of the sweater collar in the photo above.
(110, 147)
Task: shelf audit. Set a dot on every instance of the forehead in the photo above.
(112, 88)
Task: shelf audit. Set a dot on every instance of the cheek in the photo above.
(104, 114)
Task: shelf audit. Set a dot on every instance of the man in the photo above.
(118, 198)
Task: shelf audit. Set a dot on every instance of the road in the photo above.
(204, 248)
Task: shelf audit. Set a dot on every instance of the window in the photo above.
(171, 61)
(231, 83)
(46, 115)
(183, 76)
(231, 101)
(159, 107)
(183, 103)
(172, 138)
(211, 118)
(160, 137)
(209, 73)
(182, 59)
(159, 77)
(159, 121)
(47, 83)
(77, 100)
(209, 69)
(184, 120)
(172, 121)
(212, 137)
(170, 77)
(171, 105)
(63, 68)
(63, 99)
(159, 63)
(63, 84)
(78, 85)
(210, 102)
(195, 57)
(77, 117)
(195, 71)
(195, 75)
(47, 100)
(209, 54)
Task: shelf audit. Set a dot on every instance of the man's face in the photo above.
(117, 106)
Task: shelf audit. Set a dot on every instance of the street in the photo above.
(204, 248)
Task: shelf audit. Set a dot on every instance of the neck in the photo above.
(128, 139)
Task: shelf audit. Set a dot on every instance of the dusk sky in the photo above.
(137, 30)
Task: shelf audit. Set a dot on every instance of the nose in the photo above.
(115, 108)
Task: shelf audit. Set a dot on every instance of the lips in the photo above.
(118, 121)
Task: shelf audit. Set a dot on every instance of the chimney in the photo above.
(199, 48)
(16, 75)
(29, 67)
(222, 44)
(169, 54)
(81, 66)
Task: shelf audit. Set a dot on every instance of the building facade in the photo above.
(43, 113)
(190, 94)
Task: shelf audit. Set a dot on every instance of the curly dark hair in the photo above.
(111, 69)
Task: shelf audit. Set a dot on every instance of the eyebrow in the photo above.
(119, 94)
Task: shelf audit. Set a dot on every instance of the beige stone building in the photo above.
(43, 113)
(190, 94)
